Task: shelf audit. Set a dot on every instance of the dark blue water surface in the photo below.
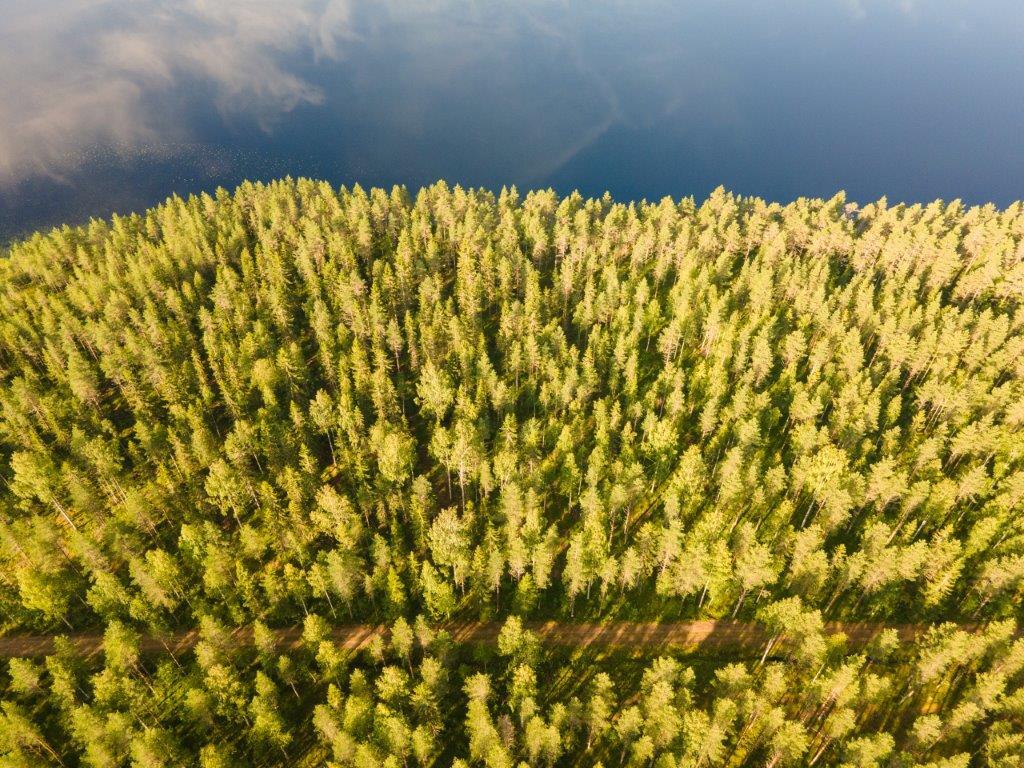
(112, 105)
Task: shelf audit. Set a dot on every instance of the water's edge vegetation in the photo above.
(297, 406)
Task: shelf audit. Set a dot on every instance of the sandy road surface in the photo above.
(712, 635)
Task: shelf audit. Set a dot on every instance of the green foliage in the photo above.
(296, 406)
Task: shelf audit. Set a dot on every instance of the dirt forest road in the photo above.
(736, 636)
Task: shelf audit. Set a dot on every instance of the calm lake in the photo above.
(112, 105)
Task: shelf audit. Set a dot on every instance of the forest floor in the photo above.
(710, 635)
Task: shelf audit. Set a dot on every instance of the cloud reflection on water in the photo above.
(86, 73)
(113, 104)
(76, 73)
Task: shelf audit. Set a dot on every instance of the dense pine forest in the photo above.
(297, 407)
